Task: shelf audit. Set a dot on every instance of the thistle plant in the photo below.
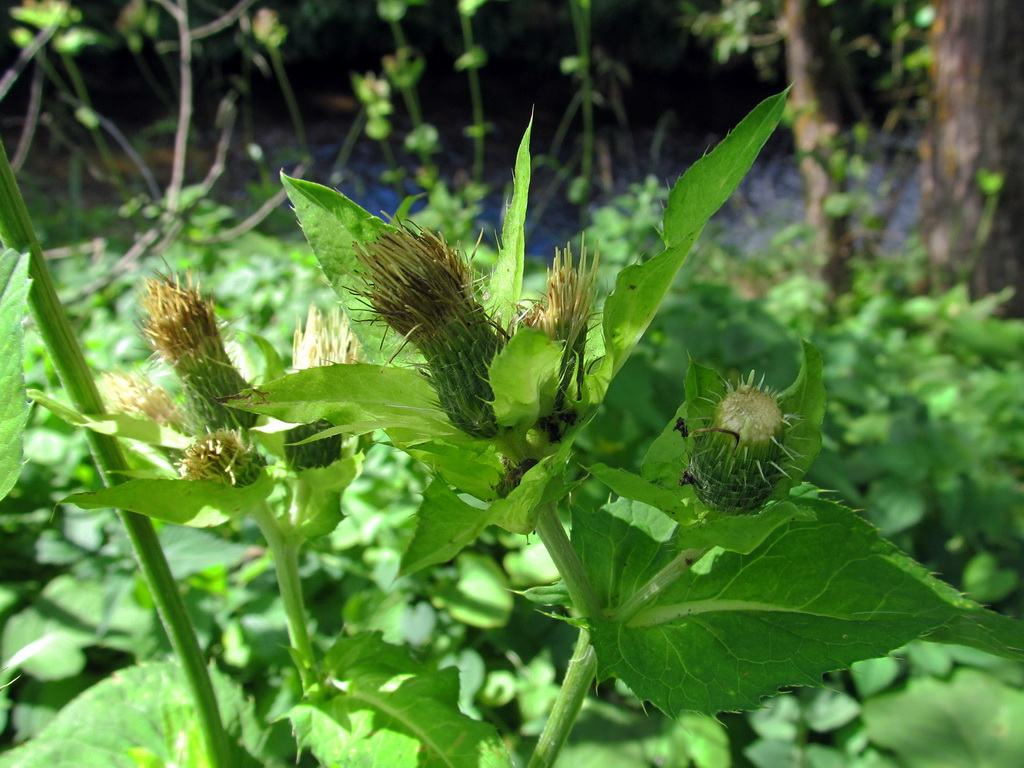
(221, 457)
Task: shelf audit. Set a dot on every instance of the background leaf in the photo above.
(14, 285)
(445, 524)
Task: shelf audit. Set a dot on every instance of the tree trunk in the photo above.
(815, 98)
(976, 129)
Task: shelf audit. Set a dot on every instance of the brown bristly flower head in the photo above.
(136, 393)
(324, 341)
(424, 290)
(222, 457)
(566, 312)
(180, 326)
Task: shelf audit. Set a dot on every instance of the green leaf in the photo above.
(333, 224)
(472, 466)
(480, 597)
(817, 595)
(445, 525)
(196, 503)
(970, 721)
(805, 401)
(145, 710)
(640, 288)
(322, 487)
(14, 285)
(524, 378)
(356, 398)
(502, 295)
(985, 630)
(393, 713)
(630, 486)
(123, 425)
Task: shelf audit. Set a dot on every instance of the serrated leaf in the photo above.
(355, 398)
(144, 709)
(472, 466)
(14, 285)
(502, 295)
(393, 712)
(196, 503)
(985, 630)
(817, 595)
(445, 525)
(524, 378)
(702, 190)
(333, 224)
(122, 425)
(805, 400)
(630, 486)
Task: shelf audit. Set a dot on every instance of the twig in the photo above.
(179, 12)
(254, 218)
(28, 130)
(229, 18)
(11, 75)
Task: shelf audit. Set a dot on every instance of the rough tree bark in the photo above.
(976, 125)
(815, 98)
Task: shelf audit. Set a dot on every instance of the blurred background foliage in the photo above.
(925, 424)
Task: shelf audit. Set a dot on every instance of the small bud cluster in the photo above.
(136, 393)
(221, 457)
(737, 460)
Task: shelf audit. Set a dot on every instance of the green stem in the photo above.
(16, 232)
(289, 100)
(581, 23)
(578, 678)
(477, 100)
(285, 550)
(657, 584)
(551, 532)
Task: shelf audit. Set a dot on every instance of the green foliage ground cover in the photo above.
(921, 432)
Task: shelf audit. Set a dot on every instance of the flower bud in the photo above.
(222, 457)
(737, 460)
(423, 289)
(135, 393)
(179, 324)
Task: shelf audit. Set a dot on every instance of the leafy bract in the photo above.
(445, 524)
(196, 503)
(822, 591)
(804, 403)
(524, 378)
(143, 715)
(502, 295)
(333, 224)
(14, 284)
(355, 398)
(640, 288)
(124, 425)
(393, 712)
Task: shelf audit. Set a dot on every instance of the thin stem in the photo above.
(285, 551)
(289, 100)
(477, 100)
(66, 355)
(578, 678)
(551, 532)
(179, 12)
(657, 584)
(581, 22)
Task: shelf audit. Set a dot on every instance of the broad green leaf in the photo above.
(393, 713)
(14, 284)
(196, 503)
(355, 398)
(333, 224)
(640, 288)
(123, 425)
(321, 489)
(817, 595)
(985, 630)
(140, 713)
(971, 720)
(524, 378)
(740, 533)
(473, 466)
(626, 484)
(506, 282)
(445, 525)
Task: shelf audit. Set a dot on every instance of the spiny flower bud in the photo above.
(135, 393)
(423, 289)
(565, 314)
(325, 341)
(179, 324)
(737, 460)
(222, 457)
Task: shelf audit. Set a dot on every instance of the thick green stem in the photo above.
(657, 584)
(551, 532)
(578, 679)
(16, 232)
(285, 551)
